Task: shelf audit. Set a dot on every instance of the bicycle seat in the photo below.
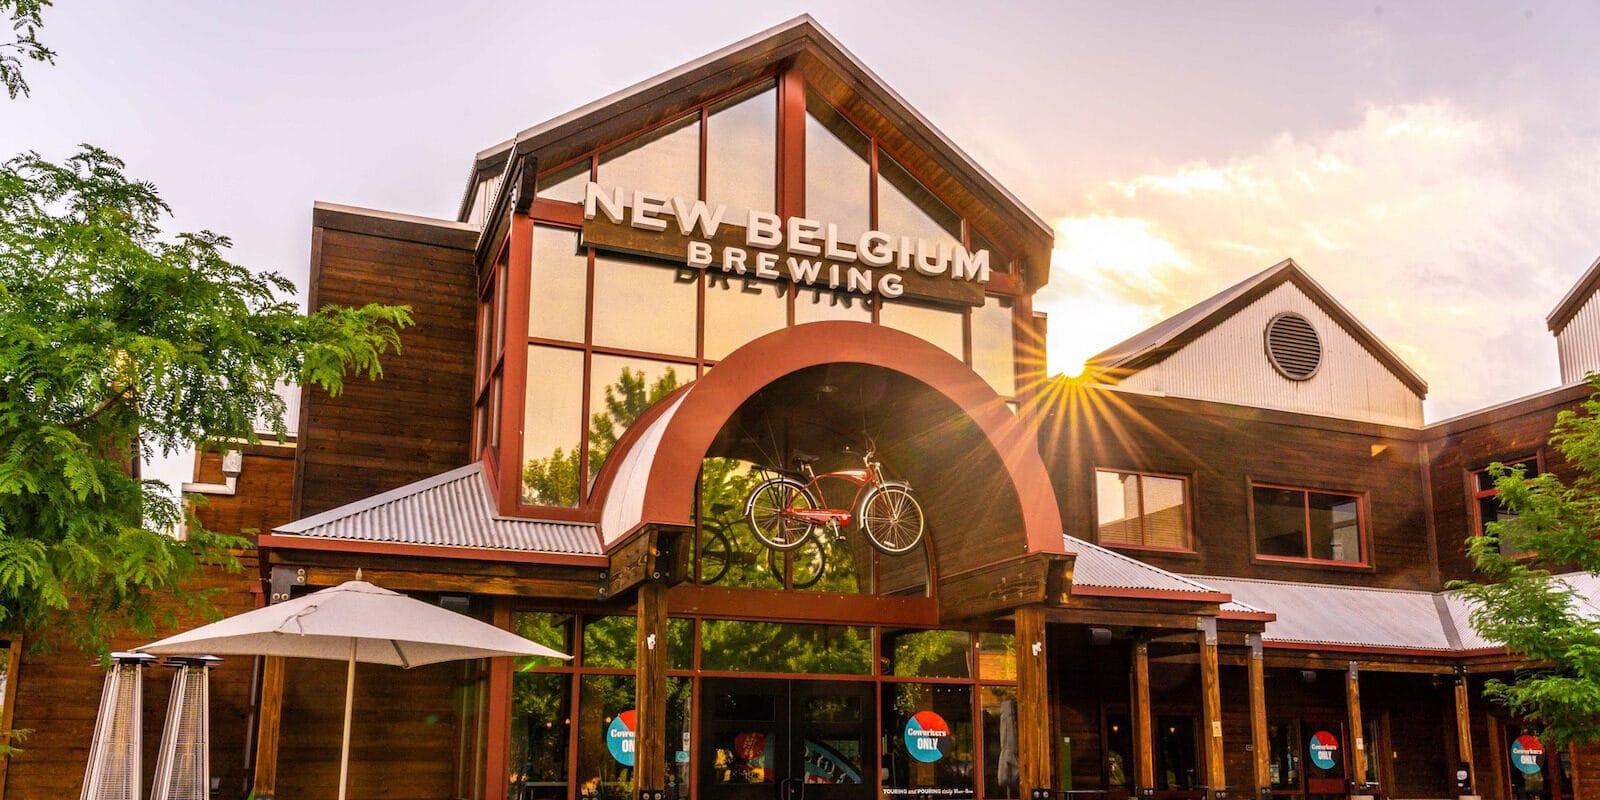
(805, 459)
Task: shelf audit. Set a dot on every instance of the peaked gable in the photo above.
(1216, 350)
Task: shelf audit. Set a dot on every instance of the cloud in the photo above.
(1450, 232)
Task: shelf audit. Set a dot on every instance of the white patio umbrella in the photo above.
(354, 621)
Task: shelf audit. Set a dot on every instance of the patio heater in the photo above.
(183, 766)
(116, 754)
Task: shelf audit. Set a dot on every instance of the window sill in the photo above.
(1134, 549)
(1314, 563)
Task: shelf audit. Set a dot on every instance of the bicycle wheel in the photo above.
(892, 519)
(715, 555)
(806, 566)
(769, 510)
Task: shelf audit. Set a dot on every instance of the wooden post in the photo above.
(1144, 762)
(1211, 708)
(1358, 753)
(1258, 717)
(1464, 734)
(1033, 701)
(268, 717)
(650, 693)
(497, 717)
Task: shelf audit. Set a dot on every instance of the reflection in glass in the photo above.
(739, 310)
(551, 630)
(609, 642)
(818, 305)
(907, 208)
(540, 725)
(621, 389)
(915, 762)
(1118, 749)
(998, 261)
(565, 184)
(644, 305)
(1283, 754)
(1176, 766)
(997, 656)
(928, 654)
(938, 326)
(838, 170)
(556, 288)
(739, 646)
(994, 345)
(665, 161)
(601, 698)
(730, 555)
(742, 153)
(1335, 527)
(552, 426)
(1141, 510)
(1280, 519)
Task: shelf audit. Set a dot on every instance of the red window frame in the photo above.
(1479, 495)
(1188, 511)
(1363, 531)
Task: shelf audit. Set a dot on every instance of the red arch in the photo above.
(713, 399)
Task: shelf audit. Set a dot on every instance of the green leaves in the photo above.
(26, 16)
(117, 342)
(1535, 614)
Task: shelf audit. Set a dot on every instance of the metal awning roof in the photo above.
(454, 509)
(1100, 568)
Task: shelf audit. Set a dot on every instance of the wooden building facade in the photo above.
(1211, 568)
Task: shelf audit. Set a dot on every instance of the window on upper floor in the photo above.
(1486, 504)
(1142, 510)
(1294, 524)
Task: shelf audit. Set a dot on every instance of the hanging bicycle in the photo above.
(784, 512)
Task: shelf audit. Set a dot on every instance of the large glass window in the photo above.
(938, 326)
(1177, 765)
(742, 153)
(928, 740)
(1140, 510)
(645, 306)
(1487, 500)
(740, 646)
(739, 310)
(994, 345)
(566, 184)
(557, 290)
(928, 654)
(907, 208)
(1306, 524)
(819, 305)
(838, 170)
(665, 161)
(552, 426)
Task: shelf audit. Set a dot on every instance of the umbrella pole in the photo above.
(349, 699)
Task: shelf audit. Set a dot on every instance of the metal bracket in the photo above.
(284, 579)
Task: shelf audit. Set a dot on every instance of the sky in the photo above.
(1436, 166)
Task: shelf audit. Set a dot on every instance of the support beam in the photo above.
(1258, 717)
(1358, 753)
(1466, 785)
(497, 717)
(268, 718)
(1033, 701)
(650, 693)
(1144, 762)
(1211, 708)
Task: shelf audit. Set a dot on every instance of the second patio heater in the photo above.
(183, 768)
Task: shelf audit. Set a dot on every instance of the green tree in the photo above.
(554, 480)
(115, 342)
(26, 16)
(1534, 613)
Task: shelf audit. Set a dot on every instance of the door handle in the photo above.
(791, 789)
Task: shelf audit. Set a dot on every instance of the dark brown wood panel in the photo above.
(261, 498)
(416, 421)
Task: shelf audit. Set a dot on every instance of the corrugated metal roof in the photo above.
(1108, 569)
(1318, 613)
(454, 509)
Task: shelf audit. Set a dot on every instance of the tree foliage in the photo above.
(116, 342)
(553, 480)
(1533, 612)
(26, 17)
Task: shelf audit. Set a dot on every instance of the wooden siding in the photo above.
(1229, 364)
(1221, 449)
(416, 421)
(1455, 448)
(261, 498)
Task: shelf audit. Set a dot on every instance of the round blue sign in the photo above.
(1324, 749)
(927, 737)
(1527, 754)
(619, 738)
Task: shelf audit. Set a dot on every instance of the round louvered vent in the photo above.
(1293, 346)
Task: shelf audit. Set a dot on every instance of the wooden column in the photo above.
(268, 717)
(1144, 762)
(1258, 716)
(650, 692)
(1033, 701)
(1464, 733)
(1358, 751)
(1211, 708)
(497, 717)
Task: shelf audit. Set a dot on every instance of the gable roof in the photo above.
(454, 509)
(1100, 568)
(1154, 344)
(1575, 298)
(659, 98)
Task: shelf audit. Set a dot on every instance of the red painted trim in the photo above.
(791, 154)
(669, 490)
(1150, 594)
(497, 756)
(291, 542)
(513, 385)
(558, 212)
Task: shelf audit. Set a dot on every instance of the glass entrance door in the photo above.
(1326, 758)
(1536, 772)
(786, 739)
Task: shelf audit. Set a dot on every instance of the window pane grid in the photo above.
(1293, 524)
(1142, 510)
